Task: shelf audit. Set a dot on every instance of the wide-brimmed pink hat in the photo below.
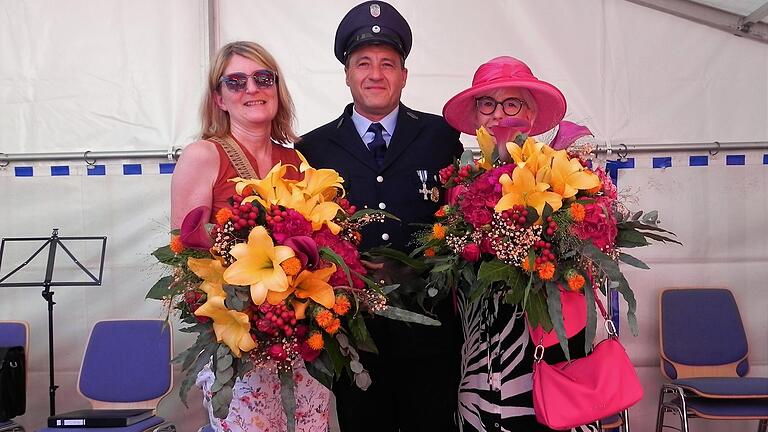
(503, 72)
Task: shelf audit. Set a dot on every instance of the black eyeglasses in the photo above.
(238, 82)
(511, 106)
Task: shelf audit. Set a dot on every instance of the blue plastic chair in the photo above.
(14, 333)
(127, 365)
(704, 353)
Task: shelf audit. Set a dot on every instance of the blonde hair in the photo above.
(216, 121)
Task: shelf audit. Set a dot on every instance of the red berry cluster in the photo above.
(274, 320)
(543, 251)
(243, 215)
(275, 214)
(346, 206)
(551, 226)
(518, 215)
(446, 173)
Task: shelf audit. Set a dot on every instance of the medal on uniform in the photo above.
(424, 191)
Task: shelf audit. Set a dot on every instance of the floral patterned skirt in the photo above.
(256, 404)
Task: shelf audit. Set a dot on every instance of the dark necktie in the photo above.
(378, 146)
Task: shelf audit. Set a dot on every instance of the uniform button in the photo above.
(385, 236)
(382, 206)
(380, 179)
(496, 425)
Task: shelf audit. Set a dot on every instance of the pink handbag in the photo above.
(603, 383)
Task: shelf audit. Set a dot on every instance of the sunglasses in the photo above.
(238, 82)
(511, 106)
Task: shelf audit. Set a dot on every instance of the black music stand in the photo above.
(52, 243)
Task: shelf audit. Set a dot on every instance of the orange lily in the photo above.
(308, 285)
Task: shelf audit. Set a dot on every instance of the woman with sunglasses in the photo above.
(247, 117)
(495, 393)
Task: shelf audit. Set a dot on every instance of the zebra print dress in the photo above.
(495, 393)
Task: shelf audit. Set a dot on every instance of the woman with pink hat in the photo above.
(495, 393)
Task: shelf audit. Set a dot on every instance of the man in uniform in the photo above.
(389, 156)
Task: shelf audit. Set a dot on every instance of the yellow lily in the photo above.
(211, 271)
(269, 190)
(569, 176)
(308, 285)
(532, 155)
(230, 326)
(258, 265)
(487, 145)
(325, 182)
(523, 189)
(316, 211)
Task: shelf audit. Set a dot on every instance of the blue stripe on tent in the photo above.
(167, 168)
(613, 167)
(698, 161)
(60, 170)
(735, 159)
(662, 162)
(96, 170)
(131, 169)
(765, 159)
(23, 171)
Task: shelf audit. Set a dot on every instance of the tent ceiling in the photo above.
(738, 7)
(747, 18)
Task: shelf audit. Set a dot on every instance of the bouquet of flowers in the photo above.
(276, 280)
(533, 222)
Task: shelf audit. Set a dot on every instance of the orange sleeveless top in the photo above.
(223, 189)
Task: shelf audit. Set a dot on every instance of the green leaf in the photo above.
(417, 264)
(537, 310)
(591, 328)
(332, 256)
(555, 309)
(629, 238)
(493, 271)
(361, 336)
(629, 297)
(334, 354)
(634, 262)
(161, 289)
(398, 314)
(288, 398)
(164, 254)
(320, 370)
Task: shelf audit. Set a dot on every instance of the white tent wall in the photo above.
(127, 75)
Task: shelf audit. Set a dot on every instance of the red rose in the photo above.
(599, 224)
(471, 252)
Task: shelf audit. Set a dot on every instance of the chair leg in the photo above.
(661, 411)
(625, 421)
(763, 426)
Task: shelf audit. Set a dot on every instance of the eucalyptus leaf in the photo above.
(467, 158)
(224, 362)
(355, 366)
(652, 217)
(398, 314)
(338, 361)
(288, 398)
(222, 379)
(220, 402)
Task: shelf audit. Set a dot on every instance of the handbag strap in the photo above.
(236, 156)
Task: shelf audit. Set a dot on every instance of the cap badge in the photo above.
(375, 29)
(375, 10)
